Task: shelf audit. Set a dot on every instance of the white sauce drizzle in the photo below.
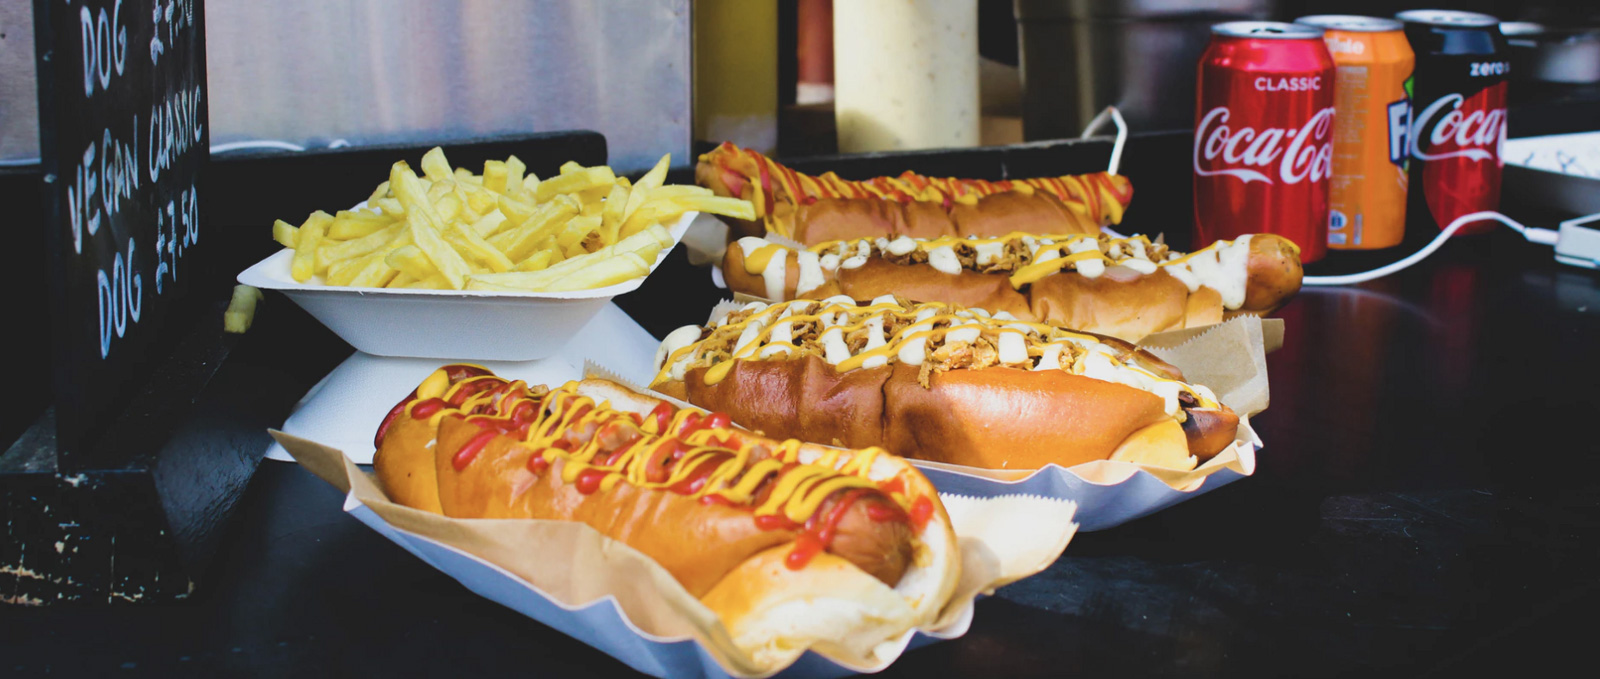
(944, 259)
(811, 276)
(777, 270)
(989, 253)
(675, 340)
(751, 243)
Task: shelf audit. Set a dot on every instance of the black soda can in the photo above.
(1458, 119)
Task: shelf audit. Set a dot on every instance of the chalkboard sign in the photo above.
(124, 141)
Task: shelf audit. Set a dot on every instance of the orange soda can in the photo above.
(1372, 104)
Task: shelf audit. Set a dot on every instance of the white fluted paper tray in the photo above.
(343, 409)
(447, 324)
(592, 591)
(1229, 358)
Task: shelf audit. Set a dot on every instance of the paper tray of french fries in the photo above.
(605, 594)
(425, 260)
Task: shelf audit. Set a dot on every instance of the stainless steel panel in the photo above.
(19, 98)
(315, 72)
(1079, 56)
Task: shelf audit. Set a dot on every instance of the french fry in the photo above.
(448, 207)
(375, 274)
(647, 216)
(538, 261)
(435, 166)
(601, 272)
(401, 280)
(530, 186)
(241, 309)
(334, 252)
(517, 210)
(478, 199)
(661, 234)
(737, 208)
(381, 192)
(520, 242)
(573, 182)
(575, 230)
(611, 215)
(444, 258)
(411, 260)
(391, 207)
(442, 234)
(341, 273)
(285, 233)
(490, 224)
(647, 251)
(494, 175)
(423, 225)
(655, 234)
(570, 167)
(666, 193)
(348, 225)
(514, 171)
(435, 282)
(530, 280)
(304, 264)
(648, 183)
(436, 191)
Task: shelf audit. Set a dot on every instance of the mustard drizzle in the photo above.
(1086, 195)
(797, 494)
(1041, 334)
(1024, 275)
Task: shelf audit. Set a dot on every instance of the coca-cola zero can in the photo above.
(1263, 142)
(1458, 119)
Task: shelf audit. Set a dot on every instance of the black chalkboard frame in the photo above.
(124, 141)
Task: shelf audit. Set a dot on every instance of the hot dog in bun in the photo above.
(790, 544)
(1124, 287)
(943, 383)
(823, 208)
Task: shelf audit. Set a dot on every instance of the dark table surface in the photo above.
(1426, 503)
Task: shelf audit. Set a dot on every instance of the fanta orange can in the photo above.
(1372, 100)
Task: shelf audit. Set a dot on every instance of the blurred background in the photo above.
(792, 77)
(796, 77)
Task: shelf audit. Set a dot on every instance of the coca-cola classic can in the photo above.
(1458, 116)
(1263, 138)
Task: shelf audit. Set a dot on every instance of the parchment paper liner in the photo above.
(1228, 357)
(1002, 539)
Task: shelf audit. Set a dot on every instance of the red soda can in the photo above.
(1263, 138)
(1458, 116)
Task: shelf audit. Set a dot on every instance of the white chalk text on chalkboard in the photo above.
(111, 170)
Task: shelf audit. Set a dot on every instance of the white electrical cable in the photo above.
(1534, 235)
(269, 144)
(1110, 113)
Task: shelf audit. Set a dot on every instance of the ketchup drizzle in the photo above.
(815, 535)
